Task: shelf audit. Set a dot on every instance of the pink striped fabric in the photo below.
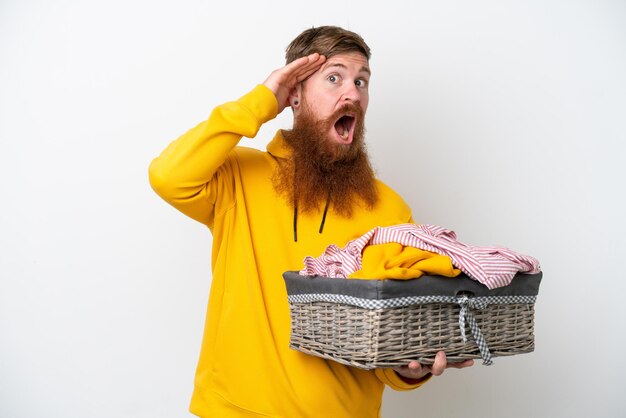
(491, 266)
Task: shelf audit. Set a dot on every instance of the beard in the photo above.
(323, 171)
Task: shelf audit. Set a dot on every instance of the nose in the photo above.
(351, 93)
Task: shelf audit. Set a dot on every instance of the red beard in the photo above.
(324, 171)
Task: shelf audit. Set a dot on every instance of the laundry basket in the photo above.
(387, 323)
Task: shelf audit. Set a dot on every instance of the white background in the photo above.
(501, 120)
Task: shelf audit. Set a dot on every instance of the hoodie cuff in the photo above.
(394, 381)
(261, 103)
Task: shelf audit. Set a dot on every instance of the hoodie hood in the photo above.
(278, 147)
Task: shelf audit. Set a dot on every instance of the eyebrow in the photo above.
(364, 69)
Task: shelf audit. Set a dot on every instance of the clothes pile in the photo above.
(408, 251)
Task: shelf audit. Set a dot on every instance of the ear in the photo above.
(295, 96)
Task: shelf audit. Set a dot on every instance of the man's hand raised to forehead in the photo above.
(283, 80)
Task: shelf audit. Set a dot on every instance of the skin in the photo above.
(342, 80)
(283, 80)
(325, 86)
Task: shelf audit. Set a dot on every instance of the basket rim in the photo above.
(523, 284)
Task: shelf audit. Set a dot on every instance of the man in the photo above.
(268, 210)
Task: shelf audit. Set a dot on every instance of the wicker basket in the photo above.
(387, 323)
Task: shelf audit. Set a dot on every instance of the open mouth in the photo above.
(344, 127)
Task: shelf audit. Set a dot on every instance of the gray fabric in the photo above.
(522, 285)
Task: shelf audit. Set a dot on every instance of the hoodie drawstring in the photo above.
(295, 204)
(295, 209)
(325, 212)
(295, 220)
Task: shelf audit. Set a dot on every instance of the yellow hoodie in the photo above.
(246, 368)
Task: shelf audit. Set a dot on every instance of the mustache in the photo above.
(353, 108)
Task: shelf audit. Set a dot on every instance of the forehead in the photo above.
(350, 61)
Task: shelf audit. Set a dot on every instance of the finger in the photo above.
(414, 364)
(304, 63)
(413, 370)
(304, 75)
(295, 72)
(309, 69)
(439, 364)
(415, 367)
(303, 60)
(419, 370)
(462, 364)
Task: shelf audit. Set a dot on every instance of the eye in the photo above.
(333, 78)
(360, 82)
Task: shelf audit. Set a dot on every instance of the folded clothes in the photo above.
(492, 266)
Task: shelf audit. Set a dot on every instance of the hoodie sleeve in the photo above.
(394, 381)
(185, 174)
